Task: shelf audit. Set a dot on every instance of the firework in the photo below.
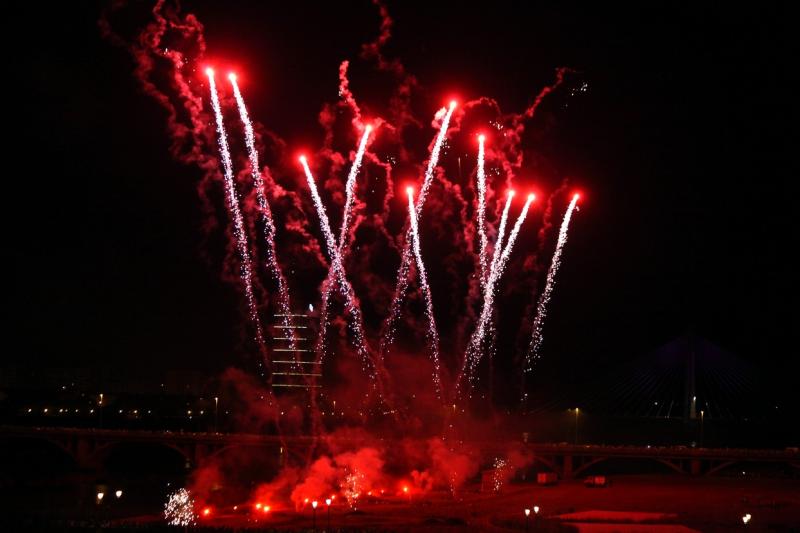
(541, 309)
(473, 352)
(501, 233)
(179, 509)
(475, 348)
(482, 209)
(246, 269)
(433, 334)
(501, 265)
(266, 213)
(353, 486)
(337, 268)
(176, 41)
(351, 186)
(341, 245)
(387, 337)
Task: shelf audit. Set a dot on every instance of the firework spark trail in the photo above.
(541, 310)
(501, 265)
(482, 209)
(348, 206)
(501, 233)
(433, 333)
(501, 254)
(513, 236)
(246, 269)
(388, 330)
(338, 269)
(284, 301)
(350, 188)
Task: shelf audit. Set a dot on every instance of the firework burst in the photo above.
(179, 509)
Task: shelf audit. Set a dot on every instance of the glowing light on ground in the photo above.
(246, 269)
(433, 333)
(547, 293)
(389, 327)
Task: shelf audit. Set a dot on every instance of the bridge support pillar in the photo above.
(567, 467)
(84, 455)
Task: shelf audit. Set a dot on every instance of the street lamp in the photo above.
(577, 412)
(702, 421)
(328, 503)
(100, 497)
(527, 518)
(118, 494)
(216, 412)
(100, 408)
(314, 506)
(536, 509)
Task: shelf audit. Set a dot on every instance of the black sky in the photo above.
(680, 144)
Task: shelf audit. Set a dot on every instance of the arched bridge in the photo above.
(570, 460)
(86, 447)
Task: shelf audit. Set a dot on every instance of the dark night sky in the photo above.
(680, 144)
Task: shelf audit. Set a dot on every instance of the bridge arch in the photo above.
(135, 457)
(627, 464)
(35, 456)
(547, 462)
(273, 453)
